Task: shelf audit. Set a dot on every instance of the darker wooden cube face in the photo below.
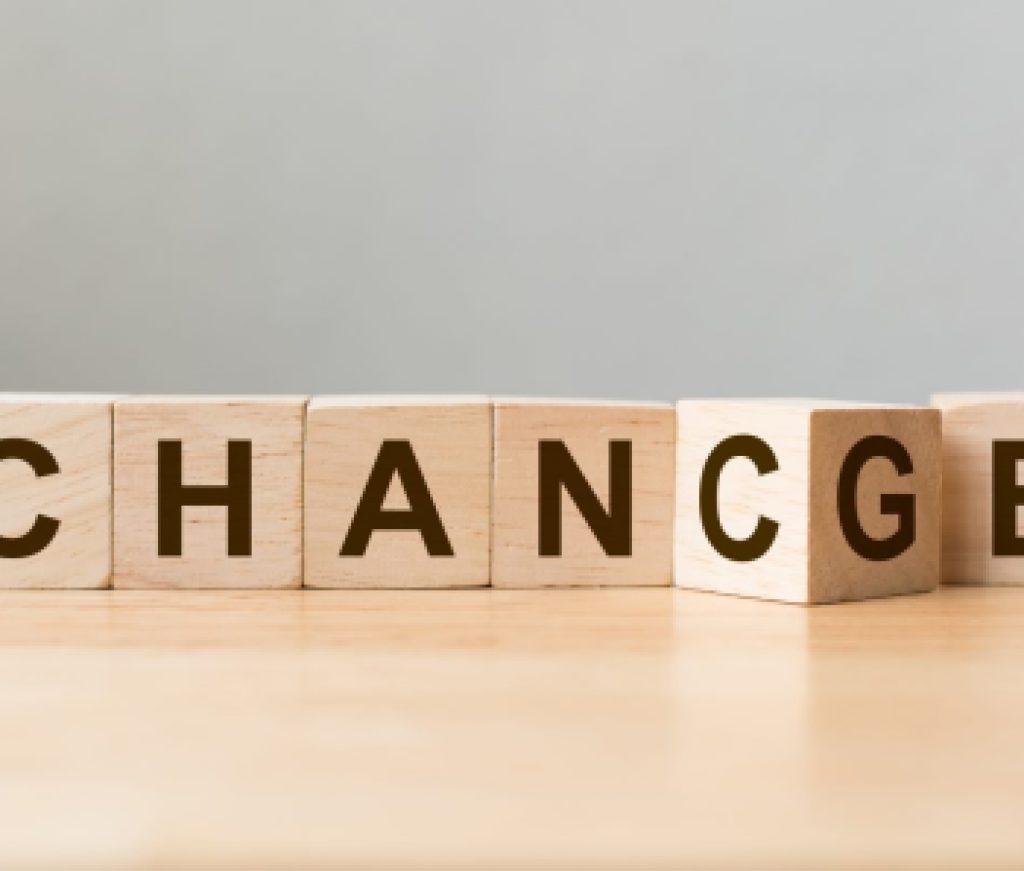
(875, 503)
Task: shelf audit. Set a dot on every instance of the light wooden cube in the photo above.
(784, 503)
(601, 445)
(982, 528)
(254, 545)
(422, 463)
(55, 490)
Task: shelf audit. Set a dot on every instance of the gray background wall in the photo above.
(635, 199)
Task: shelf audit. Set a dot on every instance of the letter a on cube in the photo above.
(398, 491)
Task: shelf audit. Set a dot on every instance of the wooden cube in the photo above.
(983, 460)
(398, 492)
(55, 486)
(208, 492)
(582, 493)
(807, 501)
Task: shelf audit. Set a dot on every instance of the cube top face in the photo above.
(789, 488)
(396, 401)
(893, 462)
(591, 449)
(18, 400)
(56, 479)
(247, 450)
(431, 462)
(592, 404)
(972, 425)
(955, 401)
(793, 404)
(206, 400)
(744, 496)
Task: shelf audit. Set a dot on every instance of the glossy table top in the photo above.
(471, 729)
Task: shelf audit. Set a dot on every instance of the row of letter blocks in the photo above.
(790, 500)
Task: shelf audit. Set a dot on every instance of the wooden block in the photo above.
(171, 454)
(582, 493)
(398, 492)
(807, 501)
(983, 459)
(55, 481)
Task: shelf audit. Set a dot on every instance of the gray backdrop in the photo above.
(633, 200)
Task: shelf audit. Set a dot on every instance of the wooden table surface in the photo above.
(472, 729)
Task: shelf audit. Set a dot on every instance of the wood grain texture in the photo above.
(76, 431)
(743, 497)
(204, 425)
(586, 428)
(810, 560)
(451, 440)
(474, 729)
(970, 423)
